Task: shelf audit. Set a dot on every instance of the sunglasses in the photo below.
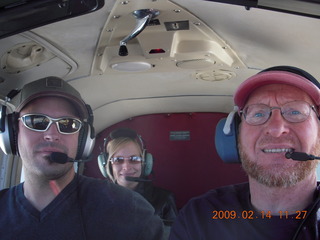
(120, 160)
(41, 123)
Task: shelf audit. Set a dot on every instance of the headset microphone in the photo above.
(62, 158)
(300, 156)
(137, 179)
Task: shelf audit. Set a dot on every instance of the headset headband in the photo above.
(126, 133)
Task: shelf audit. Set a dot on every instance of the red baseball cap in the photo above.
(278, 75)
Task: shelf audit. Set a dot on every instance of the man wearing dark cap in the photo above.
(51, 127)
(278, 132)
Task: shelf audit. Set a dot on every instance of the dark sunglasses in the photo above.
(41, 123)
(120, 160)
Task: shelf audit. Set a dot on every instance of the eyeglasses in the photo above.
(294, 112)
(41, 123)
(120, 160)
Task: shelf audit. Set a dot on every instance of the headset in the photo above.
(103, 158)
(9, 127)
(86, 138)
(9, 121)
(226, 135)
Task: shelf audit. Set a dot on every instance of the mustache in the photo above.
(58, 146)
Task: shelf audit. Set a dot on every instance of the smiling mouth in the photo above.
(128, 174)
(278, 150)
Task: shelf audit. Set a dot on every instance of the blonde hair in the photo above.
(113, 146)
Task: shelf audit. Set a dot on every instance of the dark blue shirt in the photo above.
(87, 208)
(226, 213)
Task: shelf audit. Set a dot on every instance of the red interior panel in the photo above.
(187, 167)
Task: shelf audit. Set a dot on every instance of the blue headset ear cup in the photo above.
(102, 163)
(148, 164)
(227, 144)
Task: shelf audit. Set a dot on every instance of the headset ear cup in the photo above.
(102, 163)
(86, 137)
(148, 164)
(8, 138)
(227, 144)
(85, 143)
(13, 132)
(81, 142)
(89, 142)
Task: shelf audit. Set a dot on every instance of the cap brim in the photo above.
(275, 77)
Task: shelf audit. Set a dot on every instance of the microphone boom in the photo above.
(62, 158)
(137, 179)
(59, 157)
(300, 156)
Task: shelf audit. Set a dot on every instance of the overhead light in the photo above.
(195, 64)
(131, 66)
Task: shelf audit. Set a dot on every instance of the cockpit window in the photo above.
(20, 15)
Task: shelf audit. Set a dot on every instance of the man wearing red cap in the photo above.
(279, 120)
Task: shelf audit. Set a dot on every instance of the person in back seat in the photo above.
(277, 127)
(126, 162)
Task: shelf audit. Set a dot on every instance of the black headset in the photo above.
(9, 126)
(226, 136)
(103, 158)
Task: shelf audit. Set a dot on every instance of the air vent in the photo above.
(215, 75)
(24, 56)
(34, 53)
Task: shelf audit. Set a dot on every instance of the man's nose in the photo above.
(276, 125)
(52, 134)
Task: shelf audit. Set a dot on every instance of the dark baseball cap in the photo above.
(50, 86)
